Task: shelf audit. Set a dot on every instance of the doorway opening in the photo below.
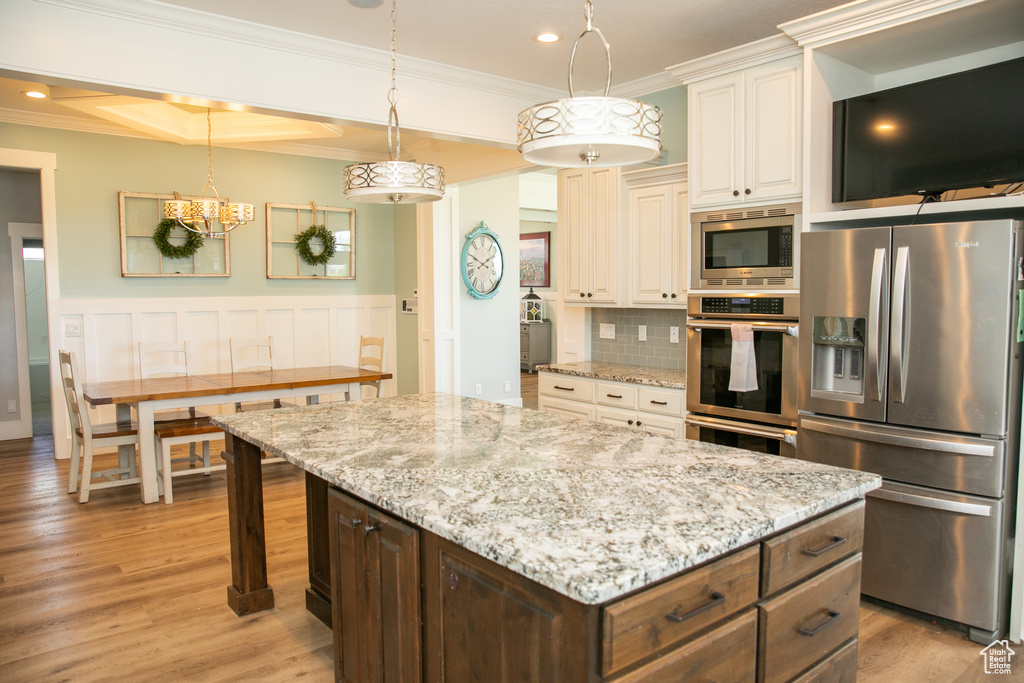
(38, 342)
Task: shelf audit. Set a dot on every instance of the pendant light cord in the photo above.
(393, 97)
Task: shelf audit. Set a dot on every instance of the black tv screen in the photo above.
(958, 131)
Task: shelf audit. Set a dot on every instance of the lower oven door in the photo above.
(709, 368)
(753, 437)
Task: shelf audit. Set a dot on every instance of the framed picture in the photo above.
(535, 259)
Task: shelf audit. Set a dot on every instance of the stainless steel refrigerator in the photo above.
(910, 343)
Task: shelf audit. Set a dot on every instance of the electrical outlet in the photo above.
(673, 334)
(642, 333)
(479, 389)
(72, 329)
(12, 406)
(607, 331)
(508, 385)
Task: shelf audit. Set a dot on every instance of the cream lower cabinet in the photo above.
(652, 409)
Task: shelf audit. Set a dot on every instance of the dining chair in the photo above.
(254, 354)
(173, 427)
(371, 357)
(86, 437)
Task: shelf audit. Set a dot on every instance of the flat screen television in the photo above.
(949, 133)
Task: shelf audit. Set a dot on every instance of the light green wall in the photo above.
(92, 168)
(672, 103)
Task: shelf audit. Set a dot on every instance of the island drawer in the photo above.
(648, 622)
(660, 401)
(839, 667)
(564, 386)
(727, 654)
(620, 395)
(807, 623)
(796, 554)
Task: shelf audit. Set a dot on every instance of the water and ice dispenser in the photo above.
(837, 360)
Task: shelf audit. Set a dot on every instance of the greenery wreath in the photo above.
(320, 232)
(193, 240)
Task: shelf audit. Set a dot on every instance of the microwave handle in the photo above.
(878, 283)
(784, 435)
(791, 330)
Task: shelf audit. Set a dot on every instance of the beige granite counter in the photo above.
(618, 372)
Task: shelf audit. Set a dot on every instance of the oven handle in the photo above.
(933, 503)
(784, 435)
(791, 330)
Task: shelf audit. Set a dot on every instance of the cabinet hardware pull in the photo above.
(735, 193)
(589, 294)
(356, 522)
(565, 388)
(716, 600)
(832, 617)
(639, 423)
(370, 529)
(453, 580)
(673, 296)
(659, 403)
(629, 422)
(582, 295)
(613, 395)
(746, 191)
(664, 295)
(836, 542)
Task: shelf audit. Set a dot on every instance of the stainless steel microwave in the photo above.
(761, 252)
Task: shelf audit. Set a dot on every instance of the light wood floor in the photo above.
(115, 590)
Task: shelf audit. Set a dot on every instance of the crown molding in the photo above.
(304, 150)
(73, 123)
(671, 173)
(646, 85)
(772, 48)
(860, 18)
(221, 28)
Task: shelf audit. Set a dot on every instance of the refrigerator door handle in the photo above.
(899, 334)
(933, 503)
(878, 282)
(920, 442)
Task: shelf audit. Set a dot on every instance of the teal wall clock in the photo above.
(482, 262)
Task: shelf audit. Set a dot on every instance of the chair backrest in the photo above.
(77, 410)
(371, 353)
(248, 354)
(164, 358)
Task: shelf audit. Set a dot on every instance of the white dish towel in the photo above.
(743, 376)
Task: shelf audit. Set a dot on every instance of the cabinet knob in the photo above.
(746, 191)
(673, 295)
(735, 193)
(629, 422)
(370, 529)
(589, 295)
(639, 423)
(453, 580)
(356, 522)
(582, 295)
(664, 295)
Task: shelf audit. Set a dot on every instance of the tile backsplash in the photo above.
(657, 351)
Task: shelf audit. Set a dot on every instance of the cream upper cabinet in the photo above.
(659, 236)
(589, 235)
(745, 135)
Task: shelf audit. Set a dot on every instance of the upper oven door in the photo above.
(709, 367)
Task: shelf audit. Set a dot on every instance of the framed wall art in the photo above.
(535, 259)
(297, 242)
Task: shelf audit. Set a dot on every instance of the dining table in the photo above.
(148, 395)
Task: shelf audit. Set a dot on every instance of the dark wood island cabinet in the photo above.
(452, 539)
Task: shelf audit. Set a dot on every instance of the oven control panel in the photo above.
(745, 306)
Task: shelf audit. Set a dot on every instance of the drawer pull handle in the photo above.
(716, 600)
(370, 529)
(836, 542)
(565, 388)
(833, 616)
(613, 395)
(659, 403)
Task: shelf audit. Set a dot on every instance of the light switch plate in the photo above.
(642, 333)
(72, 329)
(673, 334)
(607, 330)
(12, 406)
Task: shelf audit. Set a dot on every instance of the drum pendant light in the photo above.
(394, 181)
(590, 131)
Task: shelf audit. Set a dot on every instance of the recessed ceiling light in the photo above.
(37, 93)
(547, 37)
(366, 4)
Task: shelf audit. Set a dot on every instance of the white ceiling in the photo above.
(646, 37)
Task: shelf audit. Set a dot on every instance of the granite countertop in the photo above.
(619, 372)
(589, 510)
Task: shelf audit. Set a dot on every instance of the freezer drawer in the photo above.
(913, 456)
(936, 552)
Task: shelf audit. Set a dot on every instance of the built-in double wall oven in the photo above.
(760, 419)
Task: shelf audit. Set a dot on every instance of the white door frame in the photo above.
(438, 275)
(22, 427)
(46, 164)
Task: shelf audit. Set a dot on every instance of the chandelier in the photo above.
(590, 131)
(394, 181)
(198, 215)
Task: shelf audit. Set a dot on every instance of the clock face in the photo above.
(483, 264)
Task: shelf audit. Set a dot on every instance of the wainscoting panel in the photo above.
(307, 331)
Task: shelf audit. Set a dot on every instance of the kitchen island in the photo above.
(460, 539)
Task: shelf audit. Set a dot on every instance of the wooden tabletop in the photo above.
(224, 383)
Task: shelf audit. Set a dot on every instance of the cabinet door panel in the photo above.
(716, 138)
(396, 546)
(354, 629)
(651, 227)
(603, 220)
(773, 132)
(680, 242)
(573, 244)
